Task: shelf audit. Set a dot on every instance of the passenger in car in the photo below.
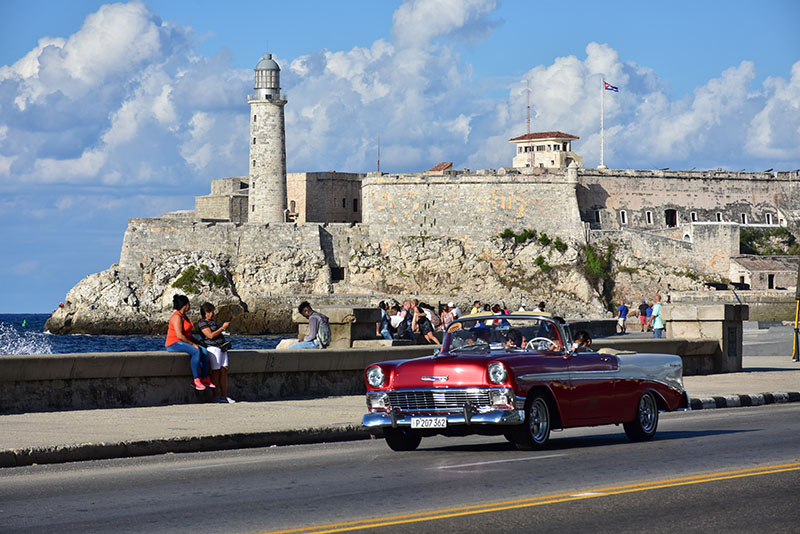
(582, 342)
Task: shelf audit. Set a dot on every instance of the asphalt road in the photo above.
(734, 470)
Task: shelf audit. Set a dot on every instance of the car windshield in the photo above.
(514, 332)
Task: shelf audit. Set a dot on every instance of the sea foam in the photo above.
(13, 341)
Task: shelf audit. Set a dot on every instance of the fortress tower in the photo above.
(267, 191)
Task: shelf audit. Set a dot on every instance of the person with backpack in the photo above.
(319, 329)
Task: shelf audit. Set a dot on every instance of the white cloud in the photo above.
(81, 169)
(417, 22)
(5, 165)
(775, 129)
(117, 104)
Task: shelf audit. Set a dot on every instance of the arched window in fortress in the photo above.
(744, 218)
(623, 217)
(649, 217)
(719, 217)
(694, 216)
(768, 218)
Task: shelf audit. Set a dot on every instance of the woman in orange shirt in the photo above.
(179, 339)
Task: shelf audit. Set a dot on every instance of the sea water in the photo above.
(23, 333)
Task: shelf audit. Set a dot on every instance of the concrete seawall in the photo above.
(36, 383)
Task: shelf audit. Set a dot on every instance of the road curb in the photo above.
(106, 451)
(735, 401)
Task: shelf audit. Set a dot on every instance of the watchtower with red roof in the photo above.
(548, 150)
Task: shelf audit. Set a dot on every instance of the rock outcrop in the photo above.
(258, 289)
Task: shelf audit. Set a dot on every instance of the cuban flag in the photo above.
(608, 87)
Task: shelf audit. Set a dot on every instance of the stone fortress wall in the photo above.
(471, 205)
(617, 199)
(577, 205)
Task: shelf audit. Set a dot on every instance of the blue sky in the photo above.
(113, 111)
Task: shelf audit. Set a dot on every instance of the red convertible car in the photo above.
(521, 376)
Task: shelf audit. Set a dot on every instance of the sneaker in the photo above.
(221, 400)
(229, 400)
(198, 384)
(207, 382)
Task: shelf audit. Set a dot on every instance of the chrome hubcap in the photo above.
(539, 422)
(647, 412)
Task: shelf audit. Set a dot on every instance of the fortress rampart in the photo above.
(479, 205)
(692, 196)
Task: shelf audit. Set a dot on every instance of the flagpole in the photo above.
(602, 125)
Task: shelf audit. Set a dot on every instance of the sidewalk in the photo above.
(54, 437)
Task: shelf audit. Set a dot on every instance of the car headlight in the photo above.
(498, 373)
(375, 377)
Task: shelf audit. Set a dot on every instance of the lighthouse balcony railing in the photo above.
(281, 96)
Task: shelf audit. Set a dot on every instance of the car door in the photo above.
(592, 377)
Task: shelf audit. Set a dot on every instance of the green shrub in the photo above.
(560, 245)
(190, 280)
(187, 280)
(521, 237)
(543, 265)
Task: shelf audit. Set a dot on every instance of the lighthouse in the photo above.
(267, 191)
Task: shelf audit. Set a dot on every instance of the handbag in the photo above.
(225, 347)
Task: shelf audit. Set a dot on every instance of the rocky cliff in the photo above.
(256, 287)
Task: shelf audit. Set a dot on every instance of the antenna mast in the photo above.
(379, 151)
(528, 123)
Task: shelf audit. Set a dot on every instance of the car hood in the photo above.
(441, 371)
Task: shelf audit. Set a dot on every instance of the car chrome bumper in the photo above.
(494, 417)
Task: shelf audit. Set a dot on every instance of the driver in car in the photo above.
(514, 339)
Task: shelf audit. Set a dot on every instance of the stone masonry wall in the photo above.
(146, 239)
(470, 206)
(704, 193)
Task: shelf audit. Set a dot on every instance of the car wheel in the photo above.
(402, 439)
(643, 427)
(535, 432)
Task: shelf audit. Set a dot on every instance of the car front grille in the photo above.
(433, 400)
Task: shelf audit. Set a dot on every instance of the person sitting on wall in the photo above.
(404, 328)
(179, 339)
(382, 328)
(395, 319)
(421, 323)
(447, 316)
(317, 324)
(217, 347)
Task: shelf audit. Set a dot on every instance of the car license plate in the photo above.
(428, 422)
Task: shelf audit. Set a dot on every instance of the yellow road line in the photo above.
(538, 501)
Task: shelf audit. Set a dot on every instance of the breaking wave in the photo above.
(12, 341)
